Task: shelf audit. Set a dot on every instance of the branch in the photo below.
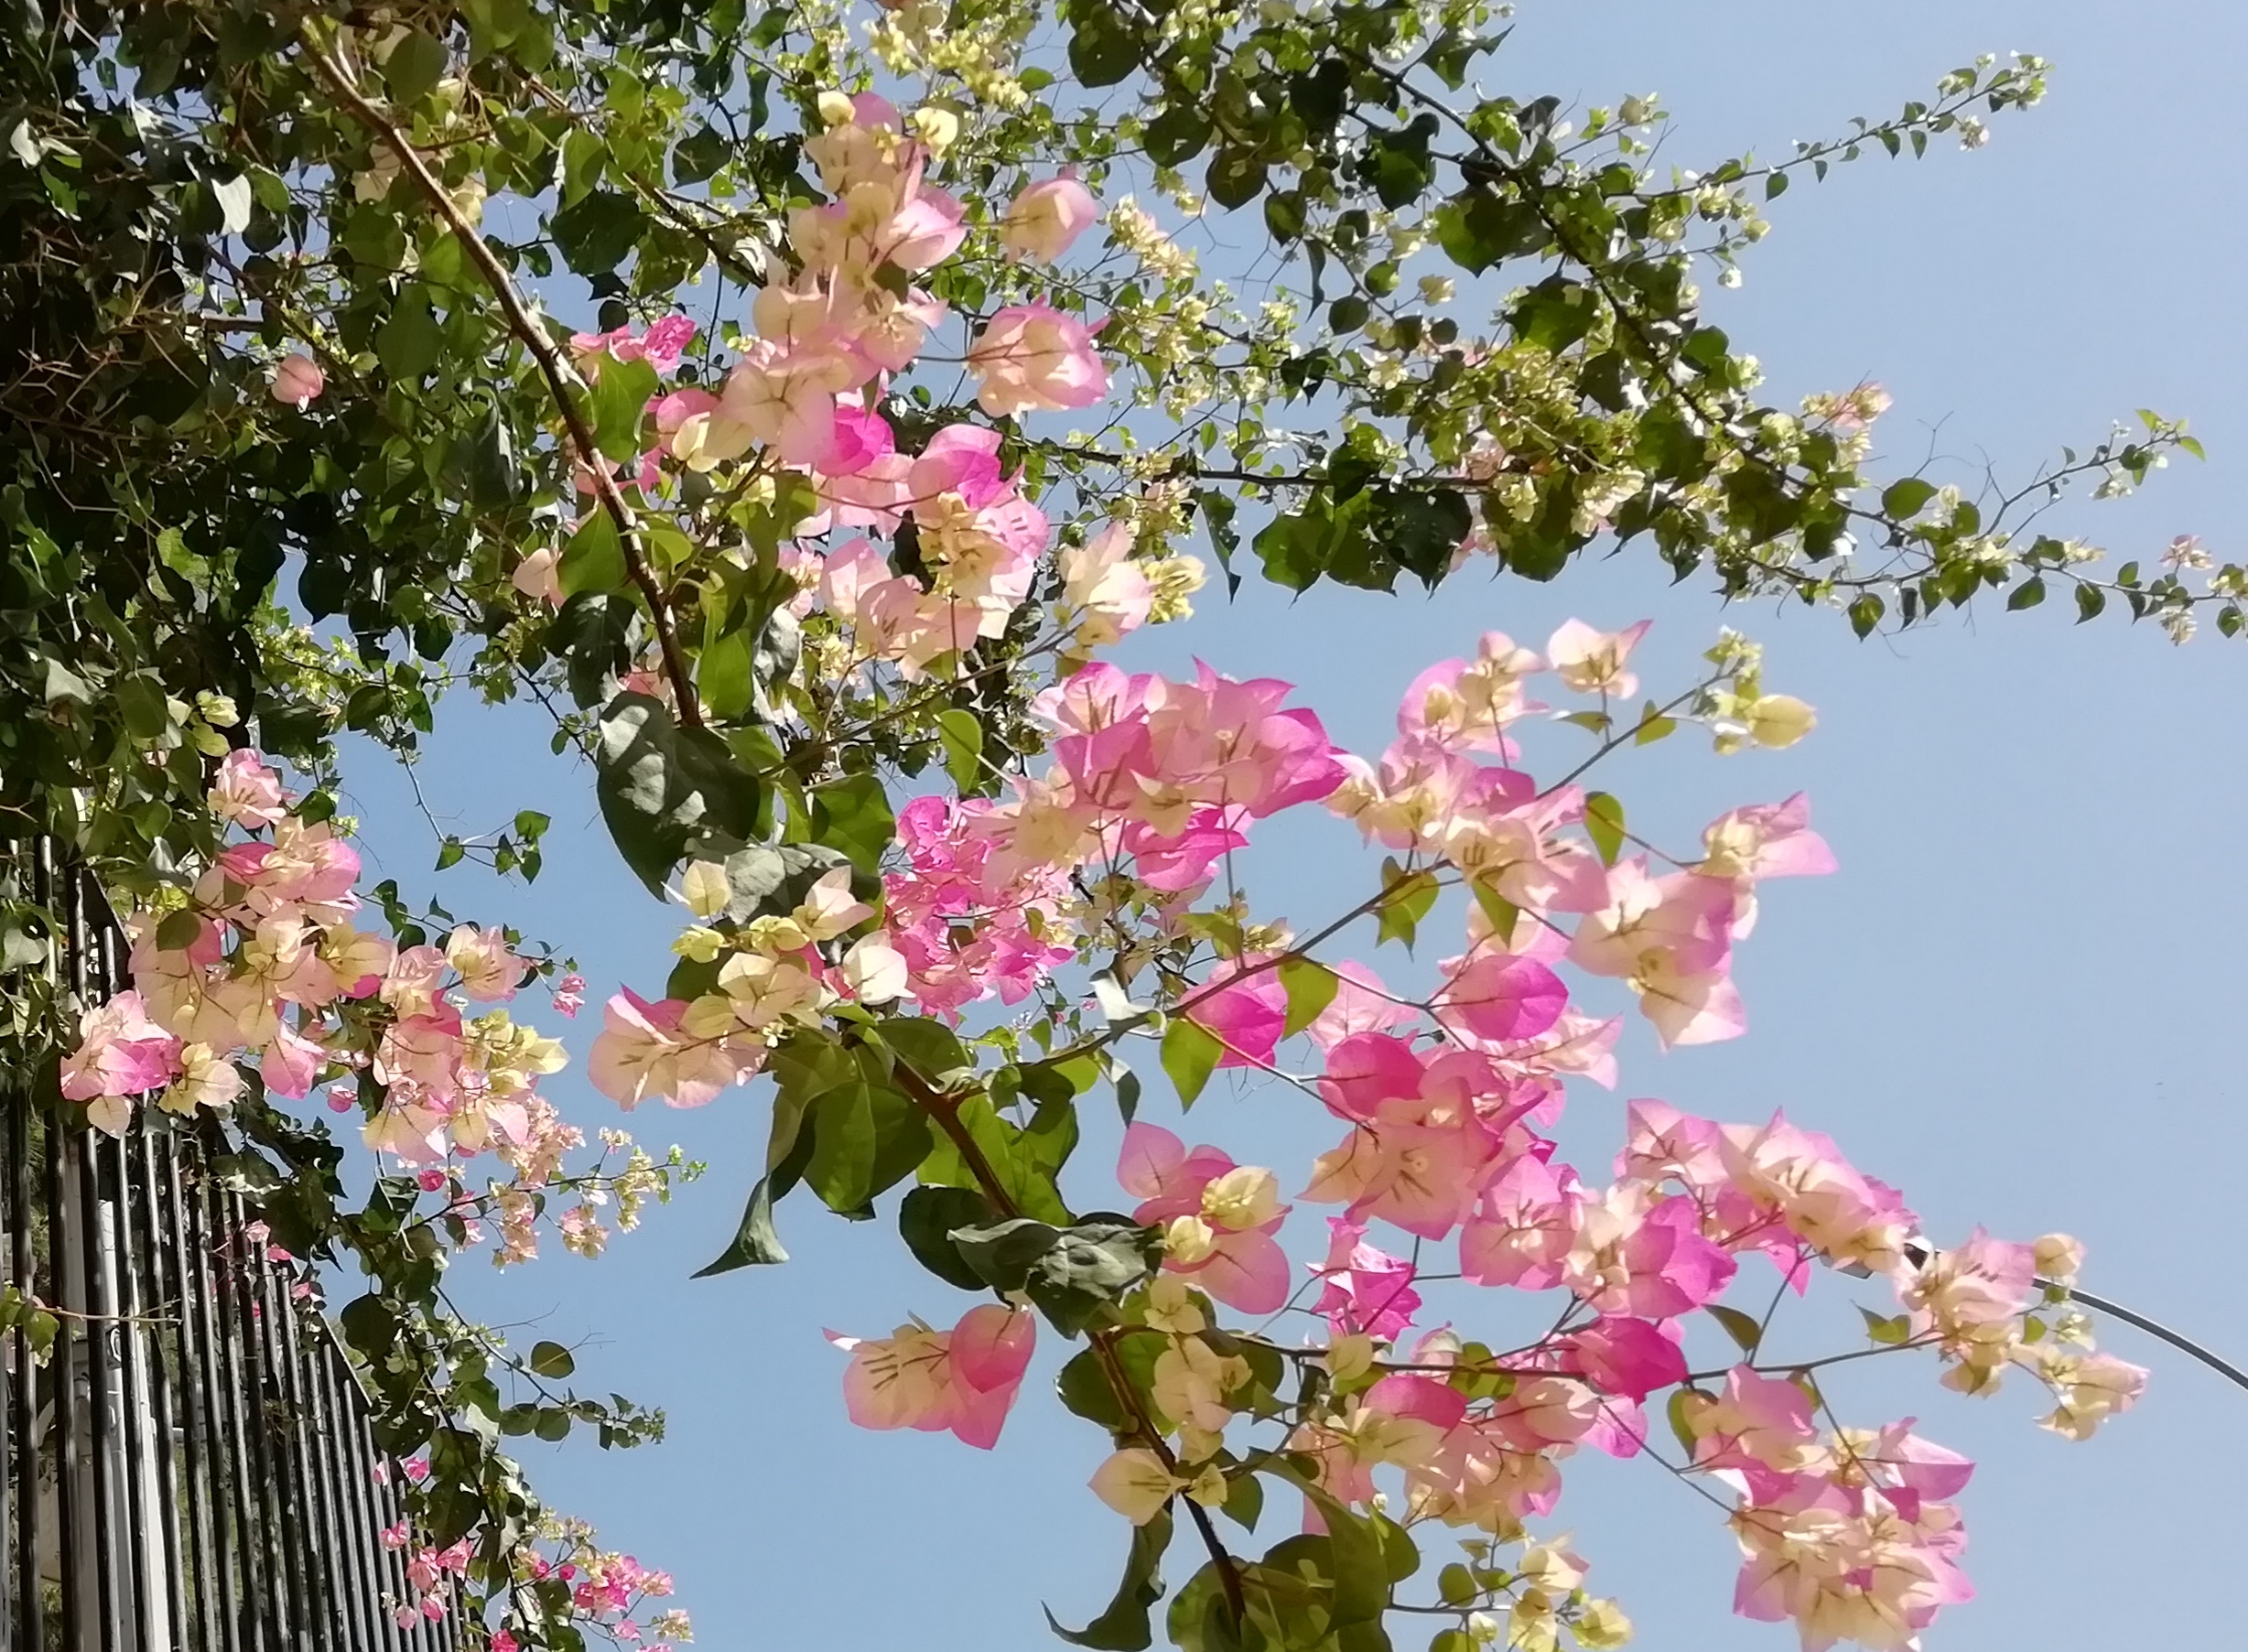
(534, 339)
(2223, 1367)
(946, 1114)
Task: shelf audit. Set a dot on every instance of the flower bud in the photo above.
(2058, 1257)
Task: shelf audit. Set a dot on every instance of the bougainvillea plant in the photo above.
(801, 404)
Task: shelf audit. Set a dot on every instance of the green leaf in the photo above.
(2090, 602)
(1680, 1398)
(63, 684)
(1361, 1571)
(552, 1360)
(927, 1220)
(1311, 988)
(617, 400)
(178, 931)
(661, 787)
(1024, 1167)
(755, 1242)
(1191, 1053)
(1902, 499)
(1888, 1332)
(1177, 135)
(140, 703)
(1478, 228)
(843, 1145)
(853, 815)
(481, 462)
(1406, 899)
(962, 735)
(1103, 48)
(416, 64)
(1398, 164)
(1002, 1254)
(2028, 594)
(1422, 529)
(1283, 214)
(1235, 177)
(1603, 824)
(699, 155)
(929, 1047)
(1739, 1326)
(409, 343)
(765, 879)
(1124, 1626)
(597, 233)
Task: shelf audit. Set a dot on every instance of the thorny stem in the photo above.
(534, 339)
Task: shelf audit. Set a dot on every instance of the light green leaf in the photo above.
(1311, 986)
(1603, 824)
(617, 402)
(963, 739)
(1191, 1053)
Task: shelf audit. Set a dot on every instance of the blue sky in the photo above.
(2015, 999)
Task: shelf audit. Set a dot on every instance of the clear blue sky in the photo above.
(2019, 999)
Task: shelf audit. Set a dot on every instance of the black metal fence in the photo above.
(190, 1468)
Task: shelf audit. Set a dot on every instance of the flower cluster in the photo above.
(1449, 1098)
(263, 962)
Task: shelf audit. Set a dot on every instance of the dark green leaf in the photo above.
(699, 155)
(927, 1219)
(1235, 177)
(416, 64)
(409, 343)
(1124, 1626)
(597, 233)
(552, 1360)
(963, 740)
(1739, 1326)
(755, 1242)
(853, 815)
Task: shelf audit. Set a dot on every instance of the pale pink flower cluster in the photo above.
(1667, 935)
(963, 1380)
(1449, 1103)
(276, 972)
(686, 1051)
(843, 319)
